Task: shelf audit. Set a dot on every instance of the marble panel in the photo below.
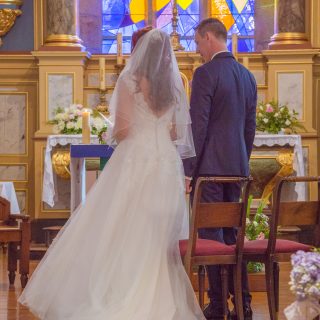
(93, 79)
(60, 92)
(93, 99)
(13, 173)
(290, 91)
(13, 124)
(61, 17)
(291, 16)
(21, 197)
(262, 96)
(111, 79)
(260, 76)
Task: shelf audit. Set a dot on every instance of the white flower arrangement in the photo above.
(69, 121)
(273, 117)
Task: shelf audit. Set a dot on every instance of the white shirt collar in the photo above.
(218, 53)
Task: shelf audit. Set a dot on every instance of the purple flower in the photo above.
(305, 274)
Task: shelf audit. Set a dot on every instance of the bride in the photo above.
(117, 257)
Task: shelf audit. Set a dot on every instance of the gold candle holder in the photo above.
(102, 106)
(174, 35)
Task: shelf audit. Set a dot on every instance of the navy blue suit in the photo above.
(223, 114)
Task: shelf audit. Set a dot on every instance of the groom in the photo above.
(223, 111)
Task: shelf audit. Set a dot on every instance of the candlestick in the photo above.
(235, 45)
(102, 72)
(119, 48)
(174, 35)
(245, 62)
(86, 130)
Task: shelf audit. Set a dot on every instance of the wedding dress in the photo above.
(117, 257)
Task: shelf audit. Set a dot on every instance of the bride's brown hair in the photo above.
(138, 34)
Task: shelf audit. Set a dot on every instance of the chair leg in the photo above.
(237, 284)
(201, 280)
(25, 253)
(12, 261)
(270, 289)
(224, 281)
(276, 285)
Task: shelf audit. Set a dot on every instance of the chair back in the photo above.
(219, 214)
(4, 210)
(294, 213)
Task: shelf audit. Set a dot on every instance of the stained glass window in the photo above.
(123, 16)
(126, 16)
(189, 17)
(238, 17)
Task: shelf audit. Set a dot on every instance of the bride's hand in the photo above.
(188, 185)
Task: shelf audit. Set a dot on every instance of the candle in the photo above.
(235, 45)
(86, 127)
(119, 48)
(102, 72)
(245, 62)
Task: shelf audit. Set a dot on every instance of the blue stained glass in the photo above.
(187, 20)
(116, 18)
(243, 25)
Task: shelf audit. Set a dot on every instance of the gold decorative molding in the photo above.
(61, 163)
(288, 38)
(12, 2)
(63, 40)
(7, 19)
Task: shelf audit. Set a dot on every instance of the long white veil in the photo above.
(154, 68)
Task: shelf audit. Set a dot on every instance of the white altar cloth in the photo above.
(49, 195)
(8, 192)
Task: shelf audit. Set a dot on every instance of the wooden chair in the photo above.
(17, 236)
(272, 251)
(201, 252)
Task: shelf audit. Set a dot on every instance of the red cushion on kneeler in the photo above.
(282, 246)
(207, 248)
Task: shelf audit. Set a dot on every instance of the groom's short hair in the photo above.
(213, 25)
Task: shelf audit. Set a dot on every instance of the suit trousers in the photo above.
(216, 192)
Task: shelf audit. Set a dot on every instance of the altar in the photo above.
(275, 156)
(280, 154)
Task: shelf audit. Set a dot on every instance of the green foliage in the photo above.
(257, 227)
(273, 118)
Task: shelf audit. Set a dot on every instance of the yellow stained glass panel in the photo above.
(160, 4)
(184, 4)
(220, 8)
(137, 10)
(240, 4)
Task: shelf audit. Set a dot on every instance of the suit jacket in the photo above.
(223, 114)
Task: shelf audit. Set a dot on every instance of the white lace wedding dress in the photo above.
(118, 258)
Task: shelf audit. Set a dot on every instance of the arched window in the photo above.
(126, 16)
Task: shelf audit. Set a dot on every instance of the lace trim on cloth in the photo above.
(49, 194)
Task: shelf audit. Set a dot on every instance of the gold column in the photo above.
(62, 24)
(315, 23)
(289, 25)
